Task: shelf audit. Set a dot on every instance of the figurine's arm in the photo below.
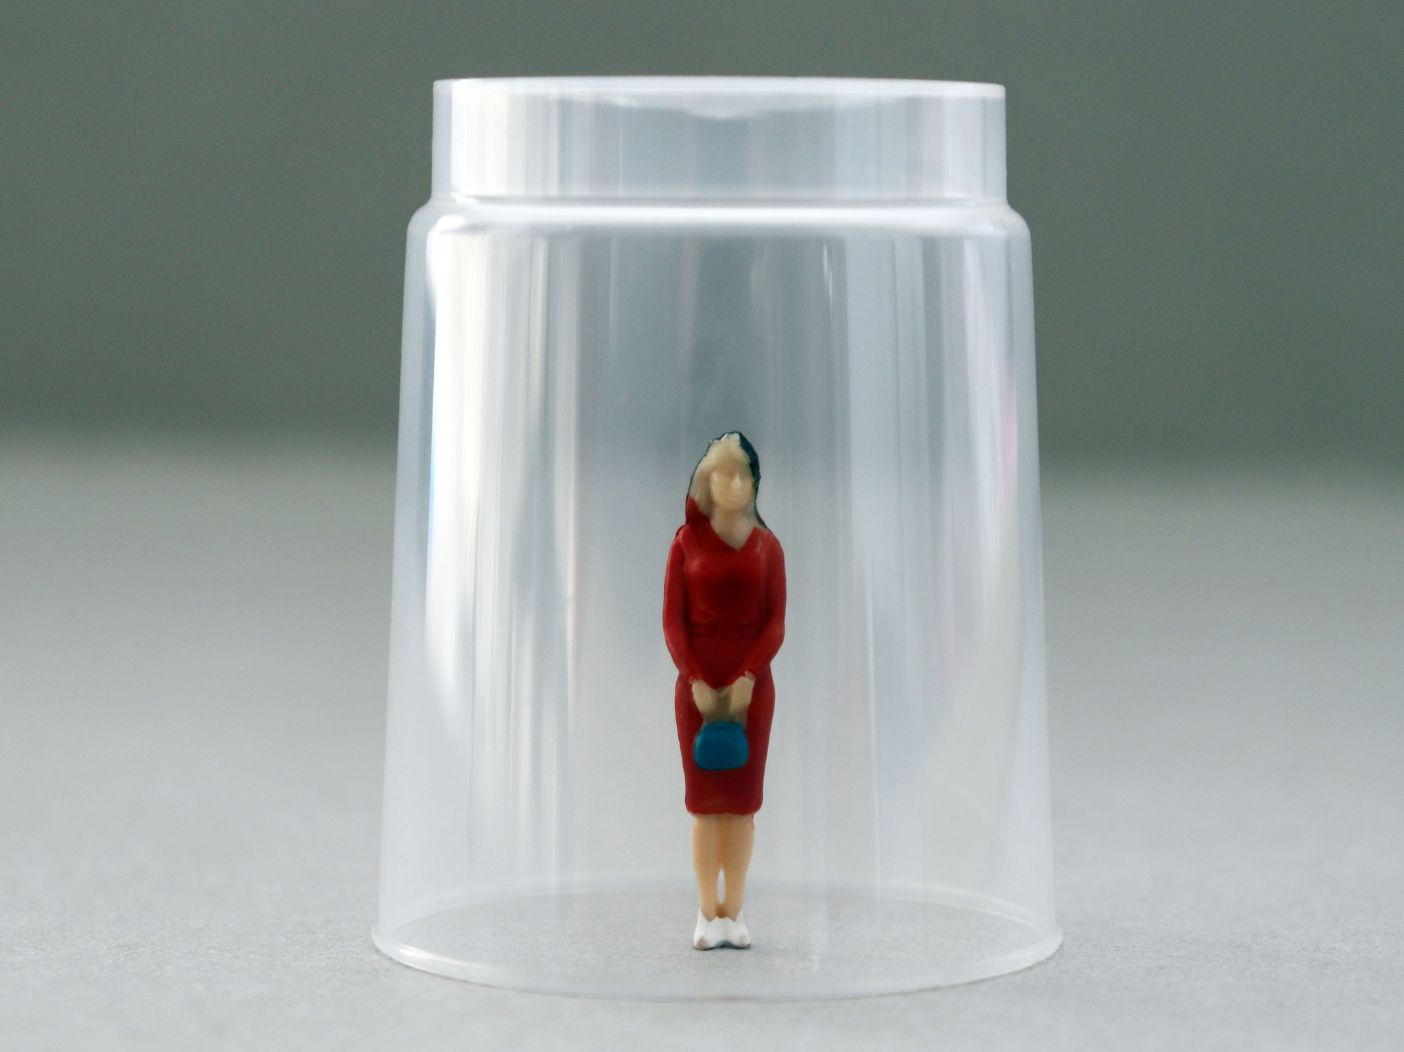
(772, 634)
(675, 613)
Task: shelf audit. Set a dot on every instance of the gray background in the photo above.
(192, 669)
(202, 212)
(204, 204)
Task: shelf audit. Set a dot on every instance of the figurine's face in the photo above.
(731, 487)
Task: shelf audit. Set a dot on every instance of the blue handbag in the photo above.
(721, 746)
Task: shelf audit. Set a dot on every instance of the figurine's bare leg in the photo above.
(738, 838)
(707, 861)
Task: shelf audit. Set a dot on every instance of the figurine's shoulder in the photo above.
(769, 540)
(683, 536)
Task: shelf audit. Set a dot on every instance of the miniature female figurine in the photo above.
(723, 621)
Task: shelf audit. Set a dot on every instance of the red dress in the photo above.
(723, 615)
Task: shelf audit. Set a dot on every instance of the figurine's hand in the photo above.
(741, 693)
(705, 698)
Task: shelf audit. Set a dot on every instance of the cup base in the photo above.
(806, 943)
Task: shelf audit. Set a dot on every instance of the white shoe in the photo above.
(709, 933)
(737, 933)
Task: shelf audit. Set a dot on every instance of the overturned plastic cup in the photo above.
(609, 274)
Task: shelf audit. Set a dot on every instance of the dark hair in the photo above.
(752, 460)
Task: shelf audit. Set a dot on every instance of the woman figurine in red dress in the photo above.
(724, 620)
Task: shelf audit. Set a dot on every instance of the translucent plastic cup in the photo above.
(610, 273)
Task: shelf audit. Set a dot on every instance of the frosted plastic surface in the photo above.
(568, 351)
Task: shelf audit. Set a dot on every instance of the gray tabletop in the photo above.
(192, 662)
